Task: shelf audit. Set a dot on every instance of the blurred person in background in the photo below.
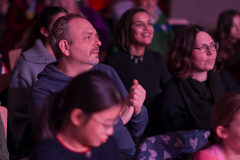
(4, 5)
(37, 53)
(228, 36)
(20, 16)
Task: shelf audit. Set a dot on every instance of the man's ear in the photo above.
(221, 132)
(44, 32)
(64, 46)
(76, 117)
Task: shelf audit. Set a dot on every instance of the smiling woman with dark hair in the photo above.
(187, 99)
(135, 60)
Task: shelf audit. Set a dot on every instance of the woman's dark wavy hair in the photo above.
(224, 25)
(223, 113)
(180, 51)
(44, 20)
(91, 91)
(123, 30)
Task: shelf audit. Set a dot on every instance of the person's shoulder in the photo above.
(104, 68)
(101, 66)
(204, 155)
(108, 150)
(170, 88)
(156, 55)
(228, 81)
(47, 149)
(21, 64)
(48, 142)
(223, 74)
(48, 145)
(116, 55)
(24, 68)
(172, 83)
(111, 142)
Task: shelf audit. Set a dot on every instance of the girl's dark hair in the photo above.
(180, 52)
(91, 91)
(224, 25)
(123, 30)
(223, 113)
(44, 20)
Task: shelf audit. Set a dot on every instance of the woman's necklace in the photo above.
(88, 154)
(136, 58)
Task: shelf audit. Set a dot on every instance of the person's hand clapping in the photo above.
(137, 96)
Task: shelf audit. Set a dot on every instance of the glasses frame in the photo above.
(208, 46)
(106, 127)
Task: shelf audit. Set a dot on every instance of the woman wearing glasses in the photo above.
(77, 122)
(187, 99)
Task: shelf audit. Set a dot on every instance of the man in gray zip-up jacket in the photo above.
(75, 44)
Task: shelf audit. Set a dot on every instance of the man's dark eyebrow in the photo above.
(97, 35)
(88, 33)
(91, 33)
(138, 21)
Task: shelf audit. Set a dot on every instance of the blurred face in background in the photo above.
(141, 29)
(148, 5)
(69, 5)
(232, 139)
(235, 29)
(54, 20)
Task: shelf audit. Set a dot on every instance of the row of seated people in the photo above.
(22, 13)
(196, 85)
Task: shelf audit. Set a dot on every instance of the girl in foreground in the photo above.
(76, 123)
(224, 140)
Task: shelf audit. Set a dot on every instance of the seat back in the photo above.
(13, 57)
(178, 145)
(4, 81)
(4, 113)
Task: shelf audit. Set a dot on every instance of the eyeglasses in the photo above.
(106, 127)
(204, 48)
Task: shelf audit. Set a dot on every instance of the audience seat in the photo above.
(4, 113)
(174, 145)
(13, 57)
(4, 81)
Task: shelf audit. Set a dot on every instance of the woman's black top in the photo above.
(187, 104)
(150, 71)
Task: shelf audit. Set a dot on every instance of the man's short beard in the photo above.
(94, 63)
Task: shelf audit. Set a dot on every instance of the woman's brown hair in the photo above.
(180, 51)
